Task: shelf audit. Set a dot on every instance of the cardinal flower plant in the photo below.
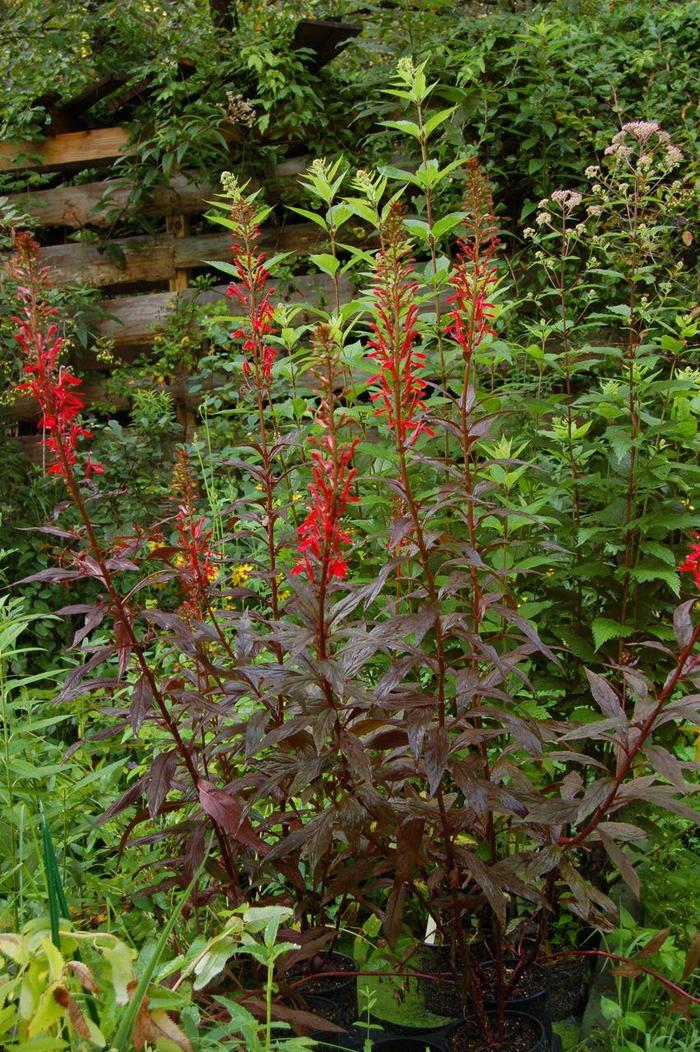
(362, 716)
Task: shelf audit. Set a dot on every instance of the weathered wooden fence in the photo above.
(140, 276)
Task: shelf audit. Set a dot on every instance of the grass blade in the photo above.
(121, 1041)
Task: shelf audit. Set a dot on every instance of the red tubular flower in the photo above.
(322, 538)
(51, 384)
(321, 533)
(401, 388)
(474, 275)
(691, 563)
(194, 561)
(251, 291)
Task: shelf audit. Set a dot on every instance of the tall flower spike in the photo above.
(474, 274)
(322, 538)
(401, 388)
(50, 383)
(195, 560)
(251, 291)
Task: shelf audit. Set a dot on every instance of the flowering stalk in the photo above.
(642, 153)
(322, 536)
(401, 393)
(472, 279)
(253, 294)
(470, 318)
(60, 421)
(401, 388)
(556, 214)
(50, 383)
(251, 290)
(416, 89)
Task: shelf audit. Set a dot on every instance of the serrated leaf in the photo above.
(657, 573)
(604, 629)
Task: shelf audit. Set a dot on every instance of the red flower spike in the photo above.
(401, 390)
(51, 384)
(194, 561)
(322, 538)
(474, 275)
(251, 291)
(691, 563)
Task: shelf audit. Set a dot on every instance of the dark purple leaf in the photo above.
(227, 812)
(141, 700)
(682, 622)
(132, 794)
(607, 699)
(354, 752)
(159, 781)
(666, 765)
(619, 859)
(435, 757)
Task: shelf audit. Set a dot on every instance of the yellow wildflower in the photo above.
(241, 573)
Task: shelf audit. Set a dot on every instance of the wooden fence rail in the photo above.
(95, 204)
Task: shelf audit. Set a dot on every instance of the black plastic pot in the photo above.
(534, 1004)
(353, 1041)
(540, 1043)
(333, 997)
(399, 1030)
(403, 1043)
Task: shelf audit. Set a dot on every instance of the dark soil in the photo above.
(529, 984)
(521, 1035)
(333, 996)
(568, 986)
(318, 981)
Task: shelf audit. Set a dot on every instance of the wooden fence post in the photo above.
(178, 226)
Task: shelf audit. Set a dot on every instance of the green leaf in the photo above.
(225, 268)
(407, 127)
(437, 119)
(610, 1009)
(418, 227)
(213, 962)
(659, 551)
(313, 217)
(605, 629)
(122, 1038)
(447, 223)
(120, 959)
(325, 262)
(657, 573)
(362, 209)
